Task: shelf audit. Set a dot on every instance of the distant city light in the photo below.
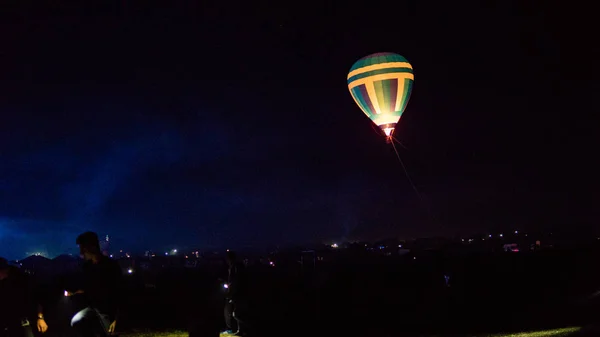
(335, 245)
(490, 235)
(501, 235)
(516, 232)
(399, 246)
(130, 271)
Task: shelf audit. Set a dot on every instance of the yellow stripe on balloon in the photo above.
(373, 96)
(399, 95)
(378, 67)
(399, 76)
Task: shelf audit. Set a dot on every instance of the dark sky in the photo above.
(231, 124)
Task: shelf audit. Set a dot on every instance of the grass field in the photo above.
(564, 332)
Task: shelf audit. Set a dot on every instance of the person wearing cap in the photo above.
(102, 290)
(18, 303)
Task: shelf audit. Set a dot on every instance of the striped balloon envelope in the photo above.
(381, 84)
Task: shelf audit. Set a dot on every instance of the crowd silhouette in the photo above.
(352, 293)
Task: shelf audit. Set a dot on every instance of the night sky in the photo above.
(230, 125)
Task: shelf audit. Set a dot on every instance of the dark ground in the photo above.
(364, 296)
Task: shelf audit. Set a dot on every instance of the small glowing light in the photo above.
(399, 246)
(490, 235)
(501, 235)
(166, 253)
(111, 255)
(130, 271)
(388, 131)
(271, 263)
(174, 250)
(335, 245)
(414, 258)
(516, 232)
(226, 286)
(66, 293)
(463, 240)
(186, 256)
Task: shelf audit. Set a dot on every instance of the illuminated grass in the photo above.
(564, 332)
(545, 333)
(175, 333)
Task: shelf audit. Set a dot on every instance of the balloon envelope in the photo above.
(381, 84)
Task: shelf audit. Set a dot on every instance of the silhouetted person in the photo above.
(18, 303)
(237, 296)
(102, 290)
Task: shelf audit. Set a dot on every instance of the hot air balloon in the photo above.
(381, 84)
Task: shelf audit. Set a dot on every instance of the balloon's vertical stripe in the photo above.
(406, 94)
(400, 94)
(393, 92)
(356, 94)
(373, 96)
(364, 96)
(380, 96)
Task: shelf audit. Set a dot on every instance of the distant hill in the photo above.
(66, 258)
(35, 259)
(35, 262)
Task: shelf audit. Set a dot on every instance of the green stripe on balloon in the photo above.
(356, 93)
(376, 59)
(406, 94)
